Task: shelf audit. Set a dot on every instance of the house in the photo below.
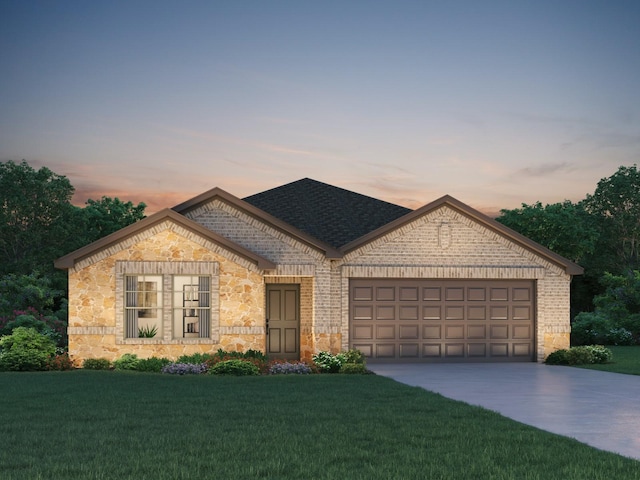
(307, 267)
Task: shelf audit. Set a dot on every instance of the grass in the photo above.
(625, 360)
(126, 425)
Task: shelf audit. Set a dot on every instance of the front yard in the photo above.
(129, 425)
(625, 360)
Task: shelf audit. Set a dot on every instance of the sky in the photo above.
(497, 103)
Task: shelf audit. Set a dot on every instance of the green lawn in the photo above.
(125, 425)
(625, 360)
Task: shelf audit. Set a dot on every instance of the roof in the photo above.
(69, 260)
(331, 214)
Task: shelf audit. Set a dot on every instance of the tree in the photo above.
(34, 205)
(615, 205)
(107, 215)
(565, 228)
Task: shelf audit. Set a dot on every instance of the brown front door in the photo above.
(283, 321)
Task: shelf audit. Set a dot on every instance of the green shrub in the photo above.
(256, 357)
(581, 355)
(153, 364)
(589, 328)
(328, 363)
(356, 368)
(559, 357)
(96, 364)
(354, 356)
(599, 353)
(195, 358)
(128, 361)
(236, 367)
(25, 349)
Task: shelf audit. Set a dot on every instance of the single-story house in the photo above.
(309, 267)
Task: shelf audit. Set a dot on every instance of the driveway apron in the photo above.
(600, 409)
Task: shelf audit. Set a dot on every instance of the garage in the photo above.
(435, 320)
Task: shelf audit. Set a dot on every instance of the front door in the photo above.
(283, 321)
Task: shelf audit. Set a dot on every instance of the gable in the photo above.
(448, 229)
(163, 221)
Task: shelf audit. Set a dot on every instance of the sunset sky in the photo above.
(496, 103)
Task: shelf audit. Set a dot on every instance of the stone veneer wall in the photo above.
(446, 244)
(93, 315)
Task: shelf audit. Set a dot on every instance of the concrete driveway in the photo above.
(597, 408)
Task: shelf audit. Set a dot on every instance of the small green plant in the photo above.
(153, 364)
(96, 364)
(128, 361)
(235, 367)
(195, 358)
(559, 357)
(147, 331)
(25, 349)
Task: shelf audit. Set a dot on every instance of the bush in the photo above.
(619, 336)
(25, 349)
(195, 358)
(353, 368)
(255, 357)
(589, 328)
(559, 357)
(354, 356)
(328, 363)
(60, 362)
(184, 368)
(153, 364)
(128, 361)
(96, 364)
(581, 355)
(236, 367)
(286, 368)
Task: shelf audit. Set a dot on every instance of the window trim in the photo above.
(167, 270)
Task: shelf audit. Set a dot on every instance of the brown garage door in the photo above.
(442, 320)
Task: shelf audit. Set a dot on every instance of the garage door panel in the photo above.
(432, 312)
(477, 332)
(363, 332)
(385, 312)
(409, 294)
(454, 331)
(385, 350)
(443, 320)
(477, 349)
(409, 332)
(409, 350)
(432, 332)
(454, 312)
(385, 332)
(453, 350)
(409, 312)
(477, 313)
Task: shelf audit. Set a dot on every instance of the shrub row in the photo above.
(581, 355)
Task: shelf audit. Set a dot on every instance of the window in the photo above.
(167, 302)
(143, 305)
(191, 306)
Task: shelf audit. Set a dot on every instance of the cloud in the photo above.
(544, 170)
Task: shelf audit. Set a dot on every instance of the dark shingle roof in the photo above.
(330, 214)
